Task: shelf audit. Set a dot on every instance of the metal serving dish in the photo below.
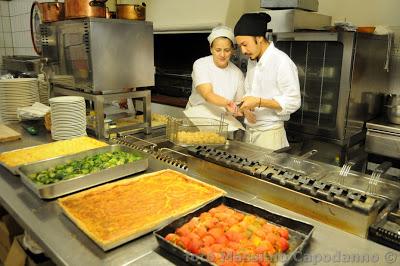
(83, 181)
(300, 232)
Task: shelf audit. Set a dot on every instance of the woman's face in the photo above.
(221, 50)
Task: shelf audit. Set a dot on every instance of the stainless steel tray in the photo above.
(84, 181)
(11, 169)
(153, 225)
(300, 232)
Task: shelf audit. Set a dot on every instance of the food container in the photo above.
(51, 11)
(393, 108)
(393, 114)
(300, 233)
(77, 183)
(11, 160)
(196, 131)
(131, 11)
(368, 29)
(85, 8)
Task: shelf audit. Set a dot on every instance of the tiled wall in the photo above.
(6, 41)
(20, 24)
(15, 37)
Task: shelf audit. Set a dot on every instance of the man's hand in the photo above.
(250, 116)
(250, 102)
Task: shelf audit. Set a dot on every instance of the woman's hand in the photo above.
(233, 108)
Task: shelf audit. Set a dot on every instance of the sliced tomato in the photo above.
(195, 246)
(283, 244)
(183, 230)
(185, 242)
(223, 240)
(208, 240)
(172, 238)
(216, 232)
(284, 232)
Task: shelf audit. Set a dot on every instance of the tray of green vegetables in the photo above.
(66, 174)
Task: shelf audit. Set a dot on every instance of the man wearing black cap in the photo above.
(271, 86)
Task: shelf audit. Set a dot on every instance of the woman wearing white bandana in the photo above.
(217, 82)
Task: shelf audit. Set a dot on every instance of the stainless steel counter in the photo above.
(67, 245)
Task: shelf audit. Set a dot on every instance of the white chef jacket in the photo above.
(274, 76)
(227, 82)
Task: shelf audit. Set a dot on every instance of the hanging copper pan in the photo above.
(51, 11)
(131, 11)
(85, 8)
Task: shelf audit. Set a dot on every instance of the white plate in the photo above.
(67, 99)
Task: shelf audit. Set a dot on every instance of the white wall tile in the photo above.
(19, 51)
(29, 51)
(6, 21)
(25, 21)
(15, 24)
(13, 5)
(22, 39)
(1, 40)
(15, 38)
(18, 7)
(26, 39)
(4, 11)
(9, 51)
(8, 40)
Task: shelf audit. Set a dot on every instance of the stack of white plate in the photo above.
(16, 93)
(68, 117)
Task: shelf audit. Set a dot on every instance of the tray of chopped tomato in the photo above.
(231, 232)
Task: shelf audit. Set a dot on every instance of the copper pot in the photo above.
(131, 11)
(85, 8)
(51, 11)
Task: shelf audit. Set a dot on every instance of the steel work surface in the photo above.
(67, 245)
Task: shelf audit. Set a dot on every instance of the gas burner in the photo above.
(334, 193)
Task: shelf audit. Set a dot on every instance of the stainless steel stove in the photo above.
(383, 138)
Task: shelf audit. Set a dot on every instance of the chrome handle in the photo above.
(153, 145)
(308, 154)
(345, 171)
(171, 150)
(376, 176)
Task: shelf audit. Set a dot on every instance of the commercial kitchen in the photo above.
(94, 169)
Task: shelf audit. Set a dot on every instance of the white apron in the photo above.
(273, 138)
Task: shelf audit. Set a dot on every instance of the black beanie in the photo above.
(252, 24)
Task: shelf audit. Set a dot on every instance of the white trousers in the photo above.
(273, 138)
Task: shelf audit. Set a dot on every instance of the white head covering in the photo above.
(221, 31)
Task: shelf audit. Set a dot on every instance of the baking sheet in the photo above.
(300, 233)
(150, 227)
(14, 169)
(77, 183)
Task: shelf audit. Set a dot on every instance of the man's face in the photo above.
(221, 51)
(249, 46)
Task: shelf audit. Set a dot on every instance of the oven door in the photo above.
(383, 143)
(323, 61)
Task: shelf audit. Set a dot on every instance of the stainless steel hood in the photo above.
(196, 16)
(311, 5)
